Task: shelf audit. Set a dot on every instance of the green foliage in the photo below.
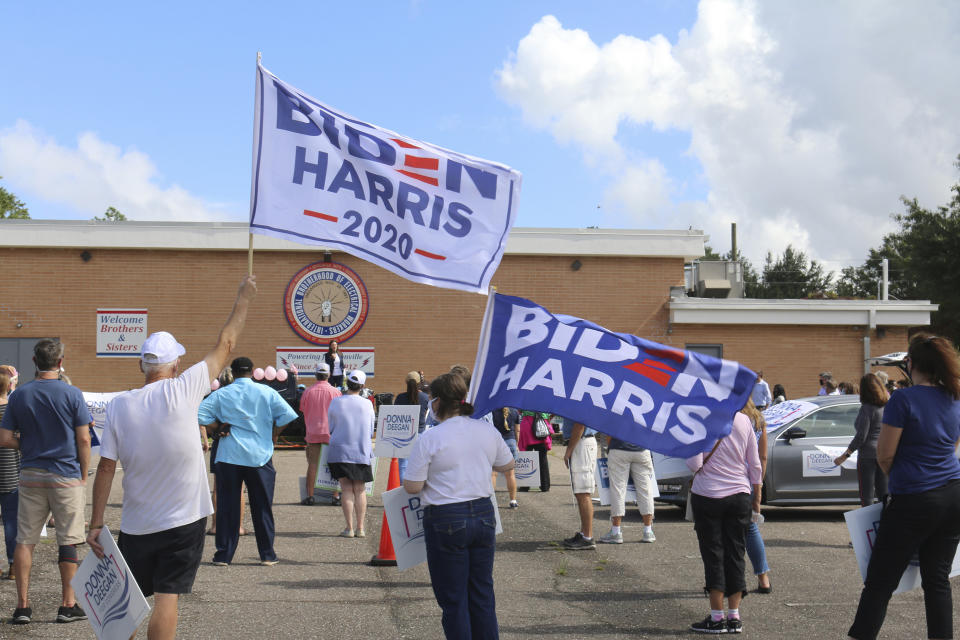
(792, 275)
(924, 256)
(111, 215)
(11, 207)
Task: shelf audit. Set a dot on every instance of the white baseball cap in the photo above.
(323, 367)
(357, 377)
(161, 348)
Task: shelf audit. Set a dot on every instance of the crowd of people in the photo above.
(906, 443)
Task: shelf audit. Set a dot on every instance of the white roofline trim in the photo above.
(231, 236)
(867, 313)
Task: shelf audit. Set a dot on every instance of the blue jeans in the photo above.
(512, 445)
(402, 465)
(8, 511)
(756, 550)
(460, 543)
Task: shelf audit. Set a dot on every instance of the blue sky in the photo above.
(690, 102)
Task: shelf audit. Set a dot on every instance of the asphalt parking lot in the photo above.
(324, 587)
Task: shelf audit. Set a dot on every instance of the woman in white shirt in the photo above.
(450, 467)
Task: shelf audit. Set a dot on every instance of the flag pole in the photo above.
(256, 115)
(482, 345)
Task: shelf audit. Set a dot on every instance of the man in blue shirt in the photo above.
(254, 414)
(54, 440)
(761, 393)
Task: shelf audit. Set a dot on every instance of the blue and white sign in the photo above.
(667, 400)
(108, 592)
(526, 470)
(425, 213)
(396, 430)
(97, 404)
(818, 464)
(405, 518)
(863, 525)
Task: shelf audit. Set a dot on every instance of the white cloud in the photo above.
(92, 176)
(809, 120)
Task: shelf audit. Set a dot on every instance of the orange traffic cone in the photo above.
(385, 556)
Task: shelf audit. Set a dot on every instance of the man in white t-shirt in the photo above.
(154, 433)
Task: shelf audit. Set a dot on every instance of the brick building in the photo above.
(58, 274)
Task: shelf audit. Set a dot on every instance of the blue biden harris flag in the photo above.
(670, 401)
(326, 178)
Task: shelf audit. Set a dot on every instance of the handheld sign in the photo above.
(114, 604)
(396, 430)
(526, 471)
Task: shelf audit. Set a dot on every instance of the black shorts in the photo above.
(165, 561)
(351, 471)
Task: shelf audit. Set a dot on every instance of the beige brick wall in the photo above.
(411, 326)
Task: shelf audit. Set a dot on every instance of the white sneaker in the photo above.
(514, 504)
(648, 536)
(346, 533)
(611, 538)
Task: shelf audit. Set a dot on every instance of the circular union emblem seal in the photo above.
(325, 301)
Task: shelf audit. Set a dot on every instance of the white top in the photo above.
(337, 367)
(352, 425)
(455, 458)
(154, 433)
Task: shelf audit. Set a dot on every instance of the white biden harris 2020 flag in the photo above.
(426, 213)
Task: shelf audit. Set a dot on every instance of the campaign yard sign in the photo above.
(108, 592)
(326, 178)
(404, 513)
(526, 470)
(396, 430)
(817, 464)
(863, 525)
(326, 482)
(121, 332)
(305, 359)
(97, 404)
(601, 475)
(669, 401)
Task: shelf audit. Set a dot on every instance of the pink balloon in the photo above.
(282, 375)
(270, 373)
(214, 385)
(258, 374)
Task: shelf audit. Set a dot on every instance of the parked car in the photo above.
(796, 470)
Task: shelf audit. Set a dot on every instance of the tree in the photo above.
(791, 275)
(924, 257)
(11, 206)
(111, 215)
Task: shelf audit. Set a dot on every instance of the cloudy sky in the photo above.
(804, 122)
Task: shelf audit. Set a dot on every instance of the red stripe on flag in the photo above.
(660, 377)
(427, 254)
(317, 214)
(667, 354)
(421, 178)
(659, 365)
(431, 164)
(405, 145)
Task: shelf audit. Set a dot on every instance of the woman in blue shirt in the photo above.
(917, 450)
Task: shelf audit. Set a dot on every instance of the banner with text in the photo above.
(121, 332)
(396, 430)
(667, 400)
(306, 359)
(425, 213)
(108, 592)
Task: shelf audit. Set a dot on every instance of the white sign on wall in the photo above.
(121, 332)
(108, 592)
(396, 430)
(305, 359)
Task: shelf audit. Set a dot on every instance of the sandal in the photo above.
(309, 500)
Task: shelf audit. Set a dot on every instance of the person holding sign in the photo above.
(917, 450)
(315, 403)
(873, 481)
(450, 467)
(152, 431)
(352, 422)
